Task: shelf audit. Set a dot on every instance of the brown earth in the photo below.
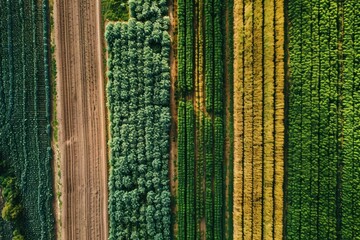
(82, 119)
(173, 108)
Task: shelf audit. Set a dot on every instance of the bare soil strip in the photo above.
(82, 122)
(173, 132)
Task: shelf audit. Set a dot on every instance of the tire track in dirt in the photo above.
(82, 125)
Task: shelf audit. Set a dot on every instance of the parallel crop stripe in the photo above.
(268, 119)
(350, 180)
(295, 106)
(257, 115)
(314, 118)
(238, 118)
(326, 220)
(182, 170)
(190, 171)
(248, 121)
(279, 118)
(333, 138)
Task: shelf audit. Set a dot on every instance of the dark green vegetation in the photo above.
(115, 10)
(201, 119)
(138, 99)
(10, 202)
(25, 113)
(324, 154)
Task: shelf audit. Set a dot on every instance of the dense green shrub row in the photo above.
(323, 175)
(25, 109)
(218, 57)
(190, 51)
(219, 185)
(190, 171)
(350, 183)
(209, 172)
(181, 47)
(209, 55)
(182, 176)
(185, 47)
(138, 100)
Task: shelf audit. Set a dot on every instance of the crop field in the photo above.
(323, 129)
(138, 101)
(179, 119)
(25, 132)
(258, 119)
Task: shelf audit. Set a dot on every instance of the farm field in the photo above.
(138, 101)
(179, 119)
(322, 121)
(258, 119)
(25, 133)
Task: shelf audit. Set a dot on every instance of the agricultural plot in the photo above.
(201, 120)
(228, 119)
(25, 113)
(138, 100)
(258, 119)
(323, 171)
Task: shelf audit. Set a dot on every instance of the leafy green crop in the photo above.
(25, 110)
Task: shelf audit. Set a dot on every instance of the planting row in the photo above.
(202, 115)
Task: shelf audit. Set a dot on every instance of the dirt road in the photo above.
(82, 119)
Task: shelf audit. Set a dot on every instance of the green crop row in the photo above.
(350, 194)
(209, 171)
(182, 175)
(189, 45)
(185, 47)
(138, 100)
(190, 172)
(181, 47)
(219, 185)
(209, 54)
(25, 109)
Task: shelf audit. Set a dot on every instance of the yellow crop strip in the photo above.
(268, 118)
(248, 121)
(257, 118)
(279, 119)
(238, 118)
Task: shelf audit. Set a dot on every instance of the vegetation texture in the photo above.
(323, 162)
(138, 99)
(25, 113)
(115, 10)
(201, 120)
(258, 119)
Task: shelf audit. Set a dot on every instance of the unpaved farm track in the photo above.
(82, 122)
